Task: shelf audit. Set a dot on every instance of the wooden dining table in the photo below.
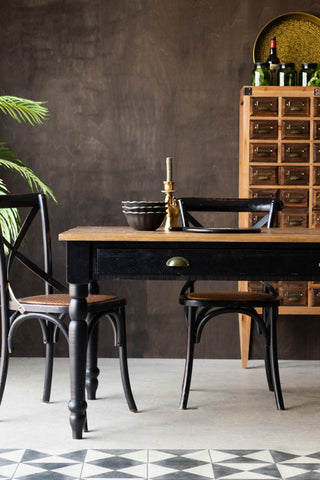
(101, 252)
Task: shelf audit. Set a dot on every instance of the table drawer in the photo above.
(223, 261)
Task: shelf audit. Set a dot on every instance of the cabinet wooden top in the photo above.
(127, 234)
(281, 91)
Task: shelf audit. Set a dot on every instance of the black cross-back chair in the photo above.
(51, 309)
(200, 307)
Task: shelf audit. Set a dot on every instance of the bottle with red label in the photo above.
(273, 61)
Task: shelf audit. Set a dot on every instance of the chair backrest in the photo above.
(29, 207)
(203, 204)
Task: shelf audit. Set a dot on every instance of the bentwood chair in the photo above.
(50, 309)
(200, 307)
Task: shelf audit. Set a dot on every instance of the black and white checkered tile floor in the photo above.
(99, 464)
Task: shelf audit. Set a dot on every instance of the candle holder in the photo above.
(172, 206)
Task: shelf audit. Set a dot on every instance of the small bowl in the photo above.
(142, 203)
(145, 221)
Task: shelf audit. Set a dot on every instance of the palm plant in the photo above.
(34, 113)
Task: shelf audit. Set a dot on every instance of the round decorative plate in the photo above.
(298, 39)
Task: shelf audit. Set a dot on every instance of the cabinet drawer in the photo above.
(296, 106)
(316, 175)
(316, 219)
(316, 106)
(294, 293)
(293, 218)
(260, 129)
(295, 129)
(315, 296)
(261, 193)
(294, 198)
(255, 217)
(261, 106)
(263, 152)
(316, 198)
(316, 130)
(291, 175)
(316, 152)
(264, 175)
(258, 286)
(295, 152)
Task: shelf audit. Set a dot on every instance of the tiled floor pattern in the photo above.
(100, 464)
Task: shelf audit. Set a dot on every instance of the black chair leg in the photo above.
(274, 358)
(92, 370)
(4, 363)
(189, 358)
(123, 359)
(267, 361)
(48, 372)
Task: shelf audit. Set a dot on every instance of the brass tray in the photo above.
(298, 39)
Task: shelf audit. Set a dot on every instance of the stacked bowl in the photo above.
(144, 214)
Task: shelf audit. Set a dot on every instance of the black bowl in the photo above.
(145, 221)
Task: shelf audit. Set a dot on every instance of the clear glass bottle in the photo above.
(307, 71)
(273, 61)
(287, 75)
(261, 74)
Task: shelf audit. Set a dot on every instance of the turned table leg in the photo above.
(78, 335)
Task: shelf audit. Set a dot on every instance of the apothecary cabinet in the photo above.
(279, 152)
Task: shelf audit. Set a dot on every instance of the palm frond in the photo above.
(9, 218)
(10, 161)
(24, 110)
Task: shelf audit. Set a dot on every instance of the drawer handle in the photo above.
(294, 298)
(263, 106)
(295, 108)
(296, 221)
(296, 130)
(295, 176)
(177, 262)
(263, 176)
(297, 199)
(264, 129)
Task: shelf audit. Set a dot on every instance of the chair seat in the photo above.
(63, 300)
(225, 297)
(59, 303)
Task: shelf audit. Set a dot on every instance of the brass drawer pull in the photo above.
(295, 154)
(263, 176)
(264, 129)
(295, 221)
(296, 199)
(263, 153)
(295, 108)
(295, 130)
(263, 106)
(294, 297)
(295, 176)
(177, 262)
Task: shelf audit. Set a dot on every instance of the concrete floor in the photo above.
(229, 407)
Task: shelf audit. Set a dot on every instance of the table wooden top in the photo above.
(127, 234)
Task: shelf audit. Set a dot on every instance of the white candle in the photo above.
(169, 169)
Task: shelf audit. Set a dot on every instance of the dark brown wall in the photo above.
(129, 82)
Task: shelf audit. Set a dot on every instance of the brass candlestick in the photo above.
(172, 206)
